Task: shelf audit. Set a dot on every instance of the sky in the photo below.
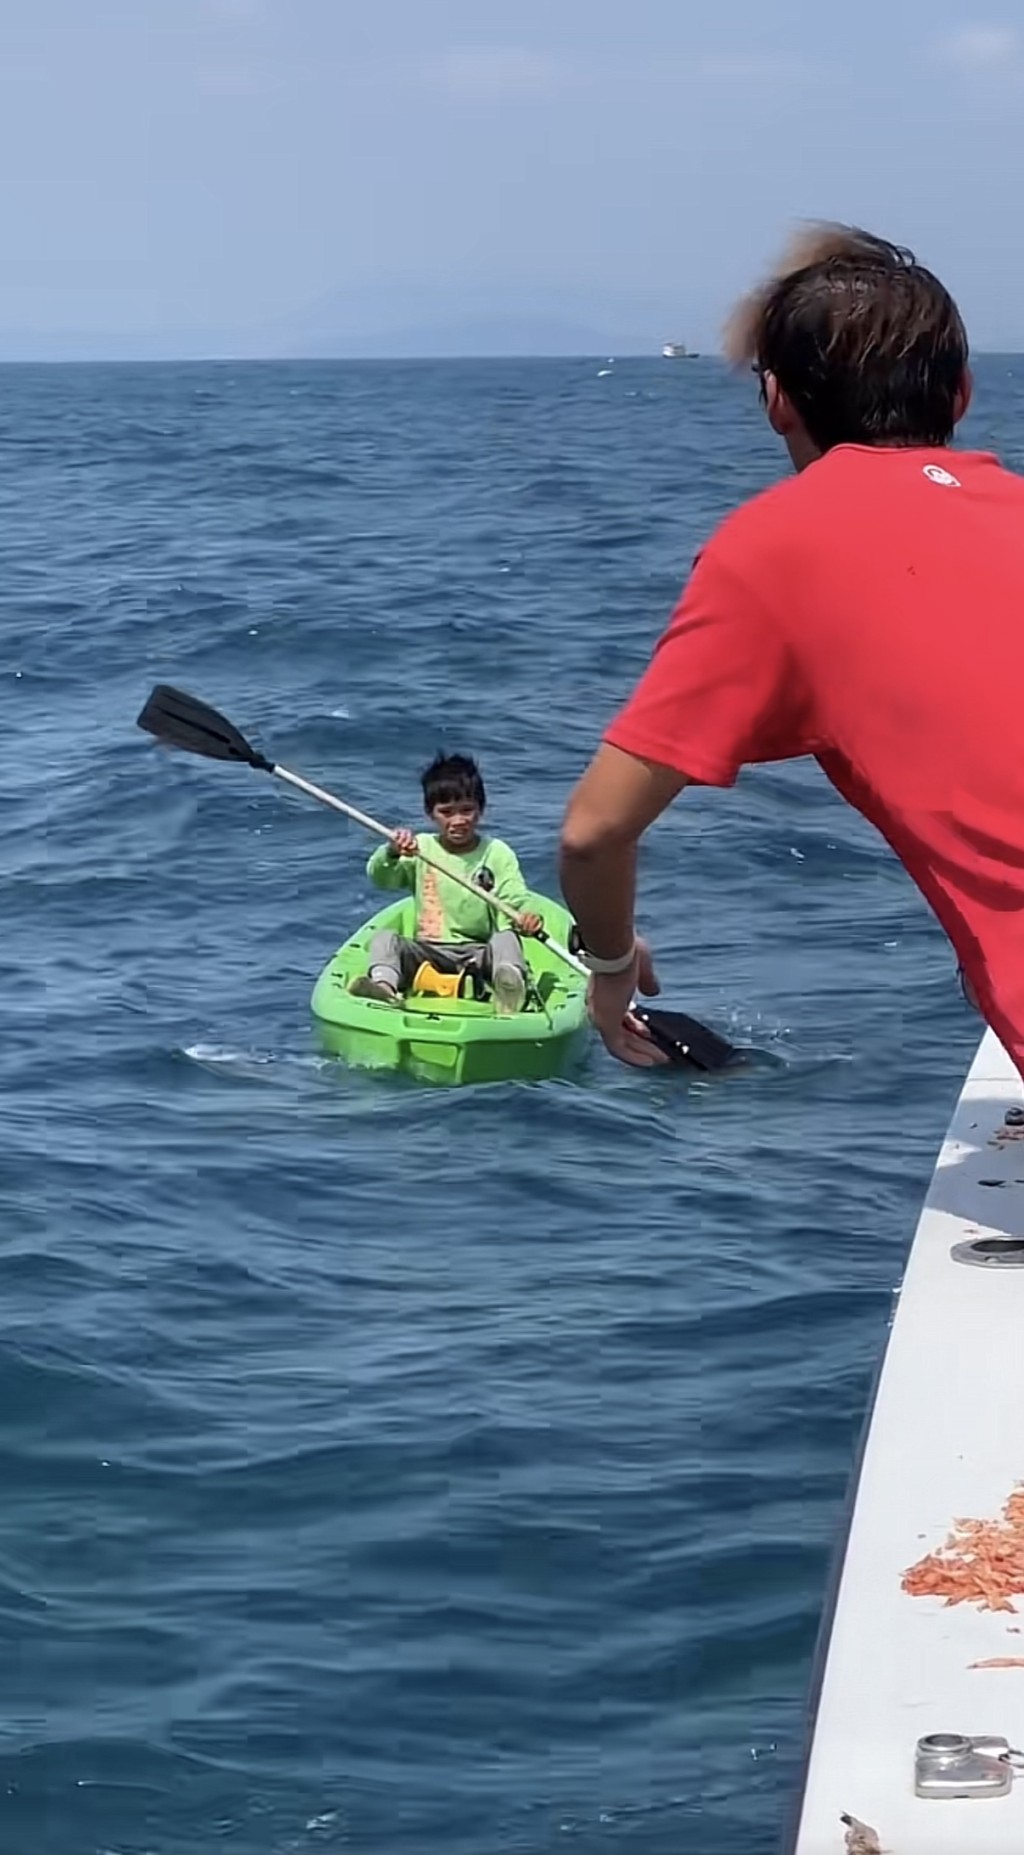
(288, 177)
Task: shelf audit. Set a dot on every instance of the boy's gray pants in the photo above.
(395, 959)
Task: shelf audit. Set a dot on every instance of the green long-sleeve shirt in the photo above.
(444, 911)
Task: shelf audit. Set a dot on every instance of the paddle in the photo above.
(182, 721)
(685, 1041)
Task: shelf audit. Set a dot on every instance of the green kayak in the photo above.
(453, 1040)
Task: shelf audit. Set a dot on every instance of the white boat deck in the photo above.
(946, 1441)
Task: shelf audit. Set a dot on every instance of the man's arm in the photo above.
(617, 799)
(722, 689)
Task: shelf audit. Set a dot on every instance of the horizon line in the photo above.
(216, 359)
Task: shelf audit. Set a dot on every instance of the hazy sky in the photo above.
(268, 176)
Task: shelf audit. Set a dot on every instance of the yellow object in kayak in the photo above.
(427, 979)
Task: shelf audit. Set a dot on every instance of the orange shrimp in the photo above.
(981, 1562)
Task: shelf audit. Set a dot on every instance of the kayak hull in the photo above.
(454, 1042)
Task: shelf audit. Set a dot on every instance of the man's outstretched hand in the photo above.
(609, 996)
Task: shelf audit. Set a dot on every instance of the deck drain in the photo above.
(990, 1253)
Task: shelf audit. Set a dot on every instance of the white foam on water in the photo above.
(252, 1065)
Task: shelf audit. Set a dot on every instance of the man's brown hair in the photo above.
(867, 345)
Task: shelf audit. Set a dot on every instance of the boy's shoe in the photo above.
(363, 986)
(509, 988)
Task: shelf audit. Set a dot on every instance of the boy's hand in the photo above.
(403, 843)
(531, 924)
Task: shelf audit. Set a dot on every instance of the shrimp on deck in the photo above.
(981, 1562)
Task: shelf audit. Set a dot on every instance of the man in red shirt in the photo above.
(868, 612)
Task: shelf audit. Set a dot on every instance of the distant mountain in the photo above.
(415, 319)
(400, 320)
(475, 336)
(45, 346)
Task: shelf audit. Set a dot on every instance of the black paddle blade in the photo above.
(687, 1043)
(181, 720)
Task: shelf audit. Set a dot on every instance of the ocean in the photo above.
(388, 1467)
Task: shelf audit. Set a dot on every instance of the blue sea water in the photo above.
(385, 1468)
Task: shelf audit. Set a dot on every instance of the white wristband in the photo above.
(609, 968)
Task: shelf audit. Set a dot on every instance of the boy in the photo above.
(455, 932)
(866, 612)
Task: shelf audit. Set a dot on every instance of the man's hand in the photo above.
(530, 925)
(609, 996)
(403, 843)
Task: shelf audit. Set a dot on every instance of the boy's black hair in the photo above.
(450, 777)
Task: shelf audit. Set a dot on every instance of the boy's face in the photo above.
(456, 823)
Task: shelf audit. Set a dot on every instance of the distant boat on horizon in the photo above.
(678, 351)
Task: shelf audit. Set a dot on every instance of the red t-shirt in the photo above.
(870, 612)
